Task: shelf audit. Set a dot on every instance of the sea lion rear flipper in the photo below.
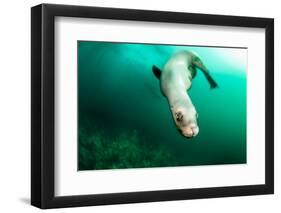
(156, 71)
(211, 81)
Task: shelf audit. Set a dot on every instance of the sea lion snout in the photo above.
(190, 131)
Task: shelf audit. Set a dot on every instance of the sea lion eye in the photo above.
(179, 116)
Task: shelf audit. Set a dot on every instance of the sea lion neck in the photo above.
(179, 100)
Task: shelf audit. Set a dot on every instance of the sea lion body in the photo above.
(175, 80)
(175, 75)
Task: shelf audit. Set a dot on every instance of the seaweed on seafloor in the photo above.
(126, 150)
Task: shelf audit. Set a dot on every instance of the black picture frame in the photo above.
(43, 102)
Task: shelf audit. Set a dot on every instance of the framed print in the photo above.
(139, 106)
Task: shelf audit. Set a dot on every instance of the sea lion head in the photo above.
(185, 118)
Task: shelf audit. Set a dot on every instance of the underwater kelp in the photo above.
(97, 150)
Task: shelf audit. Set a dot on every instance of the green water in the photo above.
(125, 121)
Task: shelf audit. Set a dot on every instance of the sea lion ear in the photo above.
(156, 71)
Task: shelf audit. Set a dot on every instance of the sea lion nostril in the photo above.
(189, 133)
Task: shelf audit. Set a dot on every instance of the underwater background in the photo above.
(125, 122)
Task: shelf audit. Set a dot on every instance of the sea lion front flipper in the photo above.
(156, 71)
(196, 61)
(211, 81)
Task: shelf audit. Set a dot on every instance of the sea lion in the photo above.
(175, 79)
